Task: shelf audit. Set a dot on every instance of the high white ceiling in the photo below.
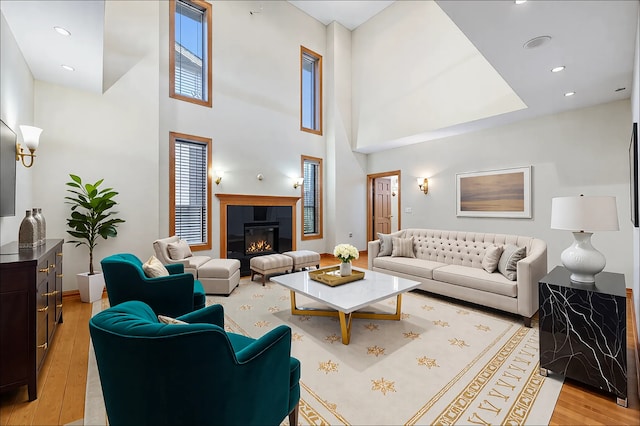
(594, 39)
(350, 14)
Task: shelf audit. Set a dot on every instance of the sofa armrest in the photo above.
(175, 268)
(530, 270)
(373, 248)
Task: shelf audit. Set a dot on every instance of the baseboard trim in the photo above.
(75, 294)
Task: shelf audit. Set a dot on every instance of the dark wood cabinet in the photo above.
(30, 309)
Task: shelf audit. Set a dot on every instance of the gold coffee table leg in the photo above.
(345, 327)
(345, 319)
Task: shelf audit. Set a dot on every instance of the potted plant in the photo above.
(91, 218)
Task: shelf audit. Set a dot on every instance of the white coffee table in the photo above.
(347, 299)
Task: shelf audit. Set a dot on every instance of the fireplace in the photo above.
(261, 238)
(256, 230)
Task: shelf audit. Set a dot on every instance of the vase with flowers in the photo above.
(346, 253)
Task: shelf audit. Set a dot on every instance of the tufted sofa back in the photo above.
(459, 248)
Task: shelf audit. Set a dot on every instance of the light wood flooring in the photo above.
(62, 381)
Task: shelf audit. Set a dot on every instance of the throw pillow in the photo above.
(509, 259)
(386, 243)
(491, 258)
(179, 250)
(402, 247)
(154, 268)
(168, 320)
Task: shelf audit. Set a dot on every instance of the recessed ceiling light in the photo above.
(558, 69)
(536, 42)
(520, 1)
(62, 31)
(67, 67)
(570, 94)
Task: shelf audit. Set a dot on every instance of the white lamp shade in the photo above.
(598, 213)
(31, 136)
(219, 173)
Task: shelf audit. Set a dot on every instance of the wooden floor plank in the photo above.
(51, 399)
(74, 396)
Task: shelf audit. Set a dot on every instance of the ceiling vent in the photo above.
(536, 42)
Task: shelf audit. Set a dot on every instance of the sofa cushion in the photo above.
(386, 243)
(509, 259)
(402, 247)
(405, 265)
(491, 258)
(170, 320)
(195, 262)
(179, 250)
(154, 268)
(476, 278)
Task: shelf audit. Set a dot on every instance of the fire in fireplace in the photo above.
(260, 238)
(258, 247)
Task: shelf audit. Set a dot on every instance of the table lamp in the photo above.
(583, 215)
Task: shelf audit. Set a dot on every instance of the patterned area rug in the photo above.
(443, 363)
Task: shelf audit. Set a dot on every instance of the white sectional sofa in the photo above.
(450, 263)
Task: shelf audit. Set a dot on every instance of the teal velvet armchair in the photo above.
(193, 374)
(173, 295)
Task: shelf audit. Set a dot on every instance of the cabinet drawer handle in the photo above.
(42, 346)
(51, 293)
(45, 270)
(59, 254)
(52, 266)
(45, 309)
(59, 275)
(59, 306)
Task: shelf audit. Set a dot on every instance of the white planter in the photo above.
(90, 286)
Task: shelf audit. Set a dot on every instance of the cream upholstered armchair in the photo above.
(218, 276)
(191, 263)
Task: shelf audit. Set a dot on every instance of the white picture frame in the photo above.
(504, 193)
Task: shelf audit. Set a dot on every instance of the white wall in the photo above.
(112, 136)
(346, 189)
(578, 152)
(254, 122)
(16, 108)
(635, 112)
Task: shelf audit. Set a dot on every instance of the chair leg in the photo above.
(293, 416)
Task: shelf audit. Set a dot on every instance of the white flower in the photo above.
(346, 252)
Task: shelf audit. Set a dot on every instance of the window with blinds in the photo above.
(311, 197)
(310, 91)
(190, 202)
(190, 63)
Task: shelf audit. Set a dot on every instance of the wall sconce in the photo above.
(31, 138)
(423, 184)
(219, 176)
(297, 182)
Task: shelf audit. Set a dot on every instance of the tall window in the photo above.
(310, 91)
(190, 51)
(190, 189)
(311, 198)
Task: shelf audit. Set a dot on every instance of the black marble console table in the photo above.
(583, 330)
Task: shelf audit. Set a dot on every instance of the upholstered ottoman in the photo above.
(270, 264)
(303, 258)
(219, 276)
